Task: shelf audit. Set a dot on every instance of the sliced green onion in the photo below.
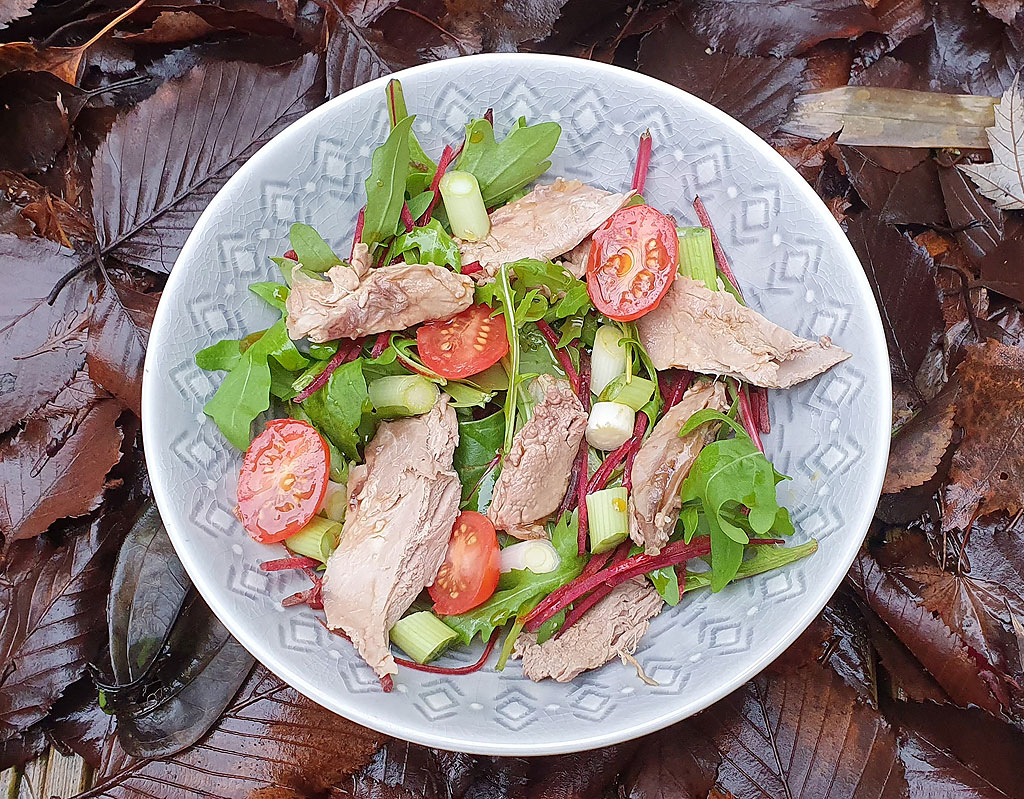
(402, 395)
(538, 556)
(422, 636)
(464, 205)
(609, 425)
(316, 540)
(609, 357)
(609, 521)
(636, 393)
(696, 257)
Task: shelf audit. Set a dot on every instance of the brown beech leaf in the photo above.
(848, 649)
(927, 637)
(363, 12)
(987, 473)
(972, 52)
(56, 466)
(149, 188)
(180, 23)
(1005, 10)
(353, 54)
(907, 194)
(118, 335)
(919, 446)
(672, 764)
(776, 27)
(52, 617)
(270, 736)
(806, 156)
(802, 732)
(41, 346)
(36, 118)
(755, 90)
(898, 20)
(902, 277)
(52, 218)
(64, 62)
(78, 724)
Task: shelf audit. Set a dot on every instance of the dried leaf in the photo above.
(78, 724)
(14, 9)
(36, 118)
(802, 732)
(806, 156)
(363, 12)
(907, 194)
(919, 447)
(848, 649)
(674, 763)
(902, 277)
(19, 749)
(757, 90)
(776, 28)
(987, 473)
(118, 335)
(1002, 181)
(353, 55)
(56, 466)
(971, 52)
(900, 19)
(171, 24)
(148, 190)
(595, 28)
(51, 618)
(1005, 10)
(269, 736)
(53, 218)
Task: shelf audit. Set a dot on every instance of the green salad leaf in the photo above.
(479, 443)
(313, 252)
(222, 356)
(418, 203)
(244, 395)
(763, 559)
(421, 167)
(276, 294)
(730, 474)
(385, 188)
(429, 244)
(282, 349)
(518, 588)
(337, 409)
(502, 168)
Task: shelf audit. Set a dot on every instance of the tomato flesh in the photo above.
(632, 262)
(283, 480)
(464, 345)
(470, 571)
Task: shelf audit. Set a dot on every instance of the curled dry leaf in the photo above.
(53, 218)
(51, 617)
(900, 185)
(148, 189)
(118, 335)
(755, 90)
(919, 446)
(987, 473)
(269, 736)
(41, 346)
(56, 466)
(1005, 10)
(353, 54)
(36, 118)
(1002, 181)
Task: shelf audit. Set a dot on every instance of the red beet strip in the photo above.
(447, 157)
(407, 219)
(561, 355)
(748, 418)
(489, 115)
(678, 386)
(291, 255)
(579, 608)
(582, 483)
(381, 344)
(759, 401)
(346, 352)
(637, 440)
(471, 268)
(568, 503)
(617, 456)
(412, 664)
(716, 244)
(360, 221)
(643, 162)
(282, 564)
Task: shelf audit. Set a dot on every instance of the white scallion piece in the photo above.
(610, 425)
(539, 556)
(608, 360)
(464, 205)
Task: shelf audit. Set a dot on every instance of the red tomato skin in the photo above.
(255, 488)
(616, 234)
(462, 358)
(482, 562)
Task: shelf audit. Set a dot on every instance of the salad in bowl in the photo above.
(520, 413)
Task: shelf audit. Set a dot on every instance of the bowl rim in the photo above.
(519, 745)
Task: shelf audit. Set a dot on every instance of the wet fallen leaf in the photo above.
(971, 51)
(52, 217)
(902, 277)
(756, 90)
(848, 650)
(176, 24)
(900, 185)
(269, 736)
(56, 466)
(1005, 10)
(363, 12)
(148, 190)
(19, 749)
(919, 446)
(14, 9)
(51, 617)
(118, 335)
(987, 473)
(1002, 181)
(676, 762)
(898, 20)
(36, 117)
(806, 156)
(353, 55)
(78, 724)
(776, 28)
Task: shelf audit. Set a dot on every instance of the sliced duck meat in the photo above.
(709, 331)
(610, 629)
(402, 506)
(662, 463)
(547, 222)
(359, 301)
(535, 473)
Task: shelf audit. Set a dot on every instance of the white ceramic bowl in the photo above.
(793, 261)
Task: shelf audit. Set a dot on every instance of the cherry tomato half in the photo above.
(464, 345)
(470, 571)
(283, 480)
(632, 262)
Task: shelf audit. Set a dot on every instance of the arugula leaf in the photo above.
(536, 356)
(464, 395)
(479, 444)
(244, 395)
(313, 252)
(429, 244)
(550, 627)
(338, 408)
(667, 584)
(221, 356)
(418, 203)
(276, 294)
(282, 349)
(503, 168)
(765, 558)
(517, 588)
(385, 188)
(730, 474)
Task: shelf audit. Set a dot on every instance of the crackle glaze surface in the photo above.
(795, 266)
